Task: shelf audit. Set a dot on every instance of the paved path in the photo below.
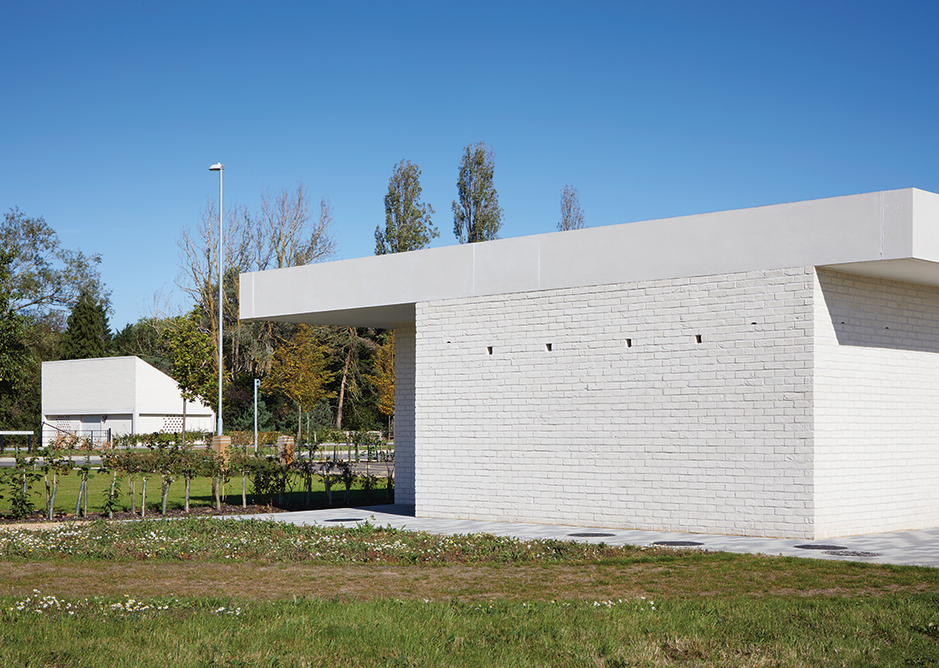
(10, 462)
(919, 548)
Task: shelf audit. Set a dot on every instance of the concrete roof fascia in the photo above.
(925, 233)
(840, 232)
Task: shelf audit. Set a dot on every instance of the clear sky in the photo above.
(112, 112)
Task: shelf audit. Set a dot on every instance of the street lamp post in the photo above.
(219, 167)
(257, 384)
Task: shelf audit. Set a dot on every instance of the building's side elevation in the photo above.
(876, 423)
(116, 395)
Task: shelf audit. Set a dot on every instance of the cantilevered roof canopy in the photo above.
(892, 234)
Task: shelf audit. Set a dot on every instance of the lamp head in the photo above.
(217, 167)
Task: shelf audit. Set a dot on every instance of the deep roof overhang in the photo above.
(892, 234)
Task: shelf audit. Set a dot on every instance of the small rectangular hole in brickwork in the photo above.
(547, 347)
(697, 338)
(629, 343)
(489, 349)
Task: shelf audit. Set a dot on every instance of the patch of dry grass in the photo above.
(465, 582)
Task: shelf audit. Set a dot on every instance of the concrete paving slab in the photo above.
(913, 548)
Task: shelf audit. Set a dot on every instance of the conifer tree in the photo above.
(88, 334)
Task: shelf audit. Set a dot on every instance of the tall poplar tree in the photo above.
(407, 220)
(476, 215)
(572, 218)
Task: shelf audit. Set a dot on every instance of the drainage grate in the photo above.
(591, 535)
(851, 553)
(345, 519)
(676, 543)
(821, 546)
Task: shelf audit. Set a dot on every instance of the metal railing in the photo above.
(29, 440)
(94, 439)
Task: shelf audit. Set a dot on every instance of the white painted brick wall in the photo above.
(667, 433)
(404, 413)
(876, 405)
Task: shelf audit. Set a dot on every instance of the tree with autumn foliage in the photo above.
(382, 378)
(354, 346)
(300, 369)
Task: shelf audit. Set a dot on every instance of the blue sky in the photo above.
(113, 112)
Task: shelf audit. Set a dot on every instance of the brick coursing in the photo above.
(404, 413)
(876, 405)
(680, 404)
(798, 402)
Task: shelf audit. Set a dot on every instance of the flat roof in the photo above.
(892, 234)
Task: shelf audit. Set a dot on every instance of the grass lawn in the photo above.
(205, 592)
(200, 494)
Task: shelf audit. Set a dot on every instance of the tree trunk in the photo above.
(48, 491)
(188, 480)
(143, 499)
(342, 385)
(166, 493)
(55, 486)
(111, 496)
(78, 502)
